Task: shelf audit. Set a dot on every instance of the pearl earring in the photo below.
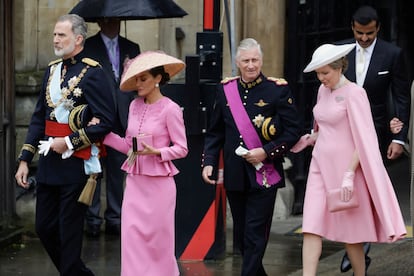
(157, 85)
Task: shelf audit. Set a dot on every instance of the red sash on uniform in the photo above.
(267, 174)
(56, 129)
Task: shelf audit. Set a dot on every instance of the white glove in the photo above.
(68, 153)
(347, 186)
(44, 146)
(240, 151)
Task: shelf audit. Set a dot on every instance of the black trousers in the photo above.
(59, 225)
(252, 213)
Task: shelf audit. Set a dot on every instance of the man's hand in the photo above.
(255, 156)
(59, 145)
(207, 173)
(394, 150)
(21, 175)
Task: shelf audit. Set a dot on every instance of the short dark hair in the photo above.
(165, 77)
(364, 15)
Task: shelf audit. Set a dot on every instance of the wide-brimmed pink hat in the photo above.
(146, 61)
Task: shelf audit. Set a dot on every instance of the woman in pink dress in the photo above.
(346, 156)
(154, 137)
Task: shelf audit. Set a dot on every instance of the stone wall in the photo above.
(34, 21)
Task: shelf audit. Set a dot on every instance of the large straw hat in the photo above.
(146, 61)
(326, 54)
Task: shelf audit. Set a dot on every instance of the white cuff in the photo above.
(398, 142)
(68, 143)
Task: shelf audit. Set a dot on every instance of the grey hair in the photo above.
(79, 26)
(248, 44)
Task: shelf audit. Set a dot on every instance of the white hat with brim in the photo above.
(146, 61)
(326, 54)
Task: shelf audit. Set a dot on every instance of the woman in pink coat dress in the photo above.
(154, 137)
(346, 156)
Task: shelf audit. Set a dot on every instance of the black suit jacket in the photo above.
(386, 83)
(96, 49)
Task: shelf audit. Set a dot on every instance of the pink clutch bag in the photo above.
(146, 138)
(335, 203)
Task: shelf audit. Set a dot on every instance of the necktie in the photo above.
(360, 65)
(112, 48)
(112, 52)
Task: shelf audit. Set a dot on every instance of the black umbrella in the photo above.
(91, 10)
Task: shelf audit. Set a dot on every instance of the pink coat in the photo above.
(164, 121)
(344, 124)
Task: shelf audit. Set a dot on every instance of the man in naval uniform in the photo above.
(255, 122)
(66, 154)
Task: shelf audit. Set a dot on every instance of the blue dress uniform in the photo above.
(271, 109)
(59, 216)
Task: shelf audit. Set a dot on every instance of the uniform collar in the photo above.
(74, 60)
(251, 84)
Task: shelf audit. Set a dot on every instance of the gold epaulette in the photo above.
(278, 81)
(54, 62)
(227, 79)
(90, 62)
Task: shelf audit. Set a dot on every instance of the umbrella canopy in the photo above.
(91, 10)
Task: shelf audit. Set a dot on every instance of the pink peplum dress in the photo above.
(148, 208)
(344, 123)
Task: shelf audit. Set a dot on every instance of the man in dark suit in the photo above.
(66, 157)
(257, 113)
(112, 51)
(384, 78)
(379, 67)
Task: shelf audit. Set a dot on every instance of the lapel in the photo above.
(375, 62)
(351, 75)
(102, 52)
(122, 54)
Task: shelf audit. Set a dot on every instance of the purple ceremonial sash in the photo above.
(267, 175)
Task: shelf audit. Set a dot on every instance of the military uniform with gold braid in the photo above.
(270, 107)
(82, 82)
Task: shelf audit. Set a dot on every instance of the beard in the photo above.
(65, 51)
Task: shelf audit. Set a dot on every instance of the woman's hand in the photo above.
(304, 142)
(148, 150)
(94, 121)
(396, 125)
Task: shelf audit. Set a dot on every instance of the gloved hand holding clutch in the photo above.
(44, 146)
(347, 186)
